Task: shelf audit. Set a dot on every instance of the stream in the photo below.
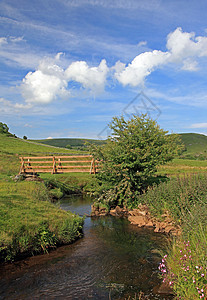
(114, 260)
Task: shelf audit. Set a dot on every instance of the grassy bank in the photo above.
(184, 267)
(30, 224)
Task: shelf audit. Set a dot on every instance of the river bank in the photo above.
(141, 217)
(113, 260)
(30, 224)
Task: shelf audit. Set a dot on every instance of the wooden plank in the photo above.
(38, 167)
(74, 161)
(69, 167)
(73, 171)
(40, 162)
(37, 157)
(73, 156)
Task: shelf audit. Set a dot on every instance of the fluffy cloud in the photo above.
(93, 78)
(45, 84)
(143, 64)
(50, 81)
(182, 48)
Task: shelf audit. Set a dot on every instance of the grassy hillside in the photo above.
(29, 223)
(11, 148)
(69, 142)
(195, 143)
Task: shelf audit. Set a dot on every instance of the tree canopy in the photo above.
(3, 128)
(132, 154)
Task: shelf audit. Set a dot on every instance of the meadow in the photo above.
(31, 224)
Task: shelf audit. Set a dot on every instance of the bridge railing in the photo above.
(58, 164)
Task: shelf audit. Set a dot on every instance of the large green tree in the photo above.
(132, 154)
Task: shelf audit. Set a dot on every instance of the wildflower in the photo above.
(202, 275)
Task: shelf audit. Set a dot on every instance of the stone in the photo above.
(149, 223)
(168, 229)
(165, 289)
(140, 221)
(113, 212)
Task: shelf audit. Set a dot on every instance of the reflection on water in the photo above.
(114, 260)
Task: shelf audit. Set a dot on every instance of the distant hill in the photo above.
(194, 142)
(69, 142)
(195, 145)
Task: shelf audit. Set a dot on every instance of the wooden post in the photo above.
(94, 167)
(59, 164)
(54, 166)
(22, 168)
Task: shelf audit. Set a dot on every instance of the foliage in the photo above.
(3, 128)
(132, 154)
(178, 196)
(184, 266)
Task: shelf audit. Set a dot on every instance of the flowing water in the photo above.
(114, 260)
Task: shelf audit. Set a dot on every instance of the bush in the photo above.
(132, 154)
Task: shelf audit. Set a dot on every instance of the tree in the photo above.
(4, 128)
(132, 154)
(25, 137)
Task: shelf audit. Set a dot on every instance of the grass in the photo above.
(69, 142)
(195, 143)
(29, 223)
(183, 166)
(184, 267)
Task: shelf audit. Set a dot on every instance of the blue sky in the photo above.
(67, 67)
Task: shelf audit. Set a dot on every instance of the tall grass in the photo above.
(184, 267)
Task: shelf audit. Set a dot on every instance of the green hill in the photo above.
(195, 144)
(69, 142)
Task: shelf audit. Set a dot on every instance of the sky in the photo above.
(67, 67)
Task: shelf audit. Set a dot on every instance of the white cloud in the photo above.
(184, 45)
(39, 87)
(93, 78)
(142, 43)
(143, 64)
(190, 65)
(183, 48)
(50, 81)
(3, 40)
(199, 125)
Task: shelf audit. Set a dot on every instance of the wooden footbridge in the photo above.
(59, 164)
